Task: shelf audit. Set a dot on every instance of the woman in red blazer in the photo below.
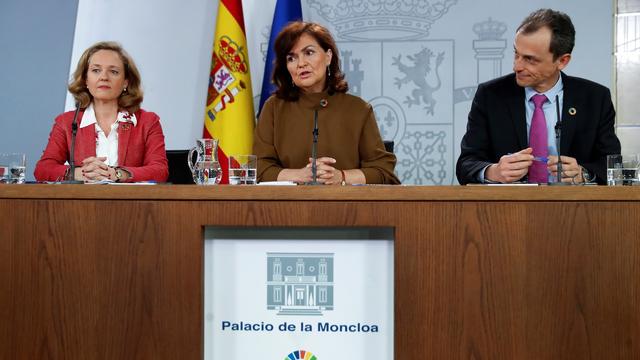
(116, 139)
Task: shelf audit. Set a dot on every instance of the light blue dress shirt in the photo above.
(550, 113)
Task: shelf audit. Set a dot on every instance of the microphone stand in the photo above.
(72, 169)
(314, 149)
(558, 130)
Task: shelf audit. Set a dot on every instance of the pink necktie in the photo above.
(538, 141)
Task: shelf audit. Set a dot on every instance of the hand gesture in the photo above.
(511, 167)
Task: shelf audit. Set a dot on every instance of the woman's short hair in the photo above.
(129, 100)
(285, 41)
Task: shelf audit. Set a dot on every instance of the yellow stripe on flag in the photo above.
(229, 115)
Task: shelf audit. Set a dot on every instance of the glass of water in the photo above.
(623, 169)
(12, 168)
(243, 169)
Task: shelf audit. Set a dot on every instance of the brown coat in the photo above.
(347, 130)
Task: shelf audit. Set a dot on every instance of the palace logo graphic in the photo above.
(301, 355)
(300, 283)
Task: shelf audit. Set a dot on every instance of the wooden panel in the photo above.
(108, 279)
(323, 193)
(487, 279)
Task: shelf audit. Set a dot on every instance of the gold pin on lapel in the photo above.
(572, 111)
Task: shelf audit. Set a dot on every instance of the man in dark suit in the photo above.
(505, 117)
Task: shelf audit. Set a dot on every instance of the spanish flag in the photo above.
(229, 115)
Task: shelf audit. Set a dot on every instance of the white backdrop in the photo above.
(171, 43)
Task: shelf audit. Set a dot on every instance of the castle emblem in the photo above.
(489, 48)
(417, 73)
(300, 283)
(351, 67)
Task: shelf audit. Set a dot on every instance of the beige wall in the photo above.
(627, 58)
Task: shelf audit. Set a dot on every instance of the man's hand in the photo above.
(571, 171)
(510, 168)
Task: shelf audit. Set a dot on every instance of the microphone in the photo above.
(558, 130)
(314, 145)
(72, 169)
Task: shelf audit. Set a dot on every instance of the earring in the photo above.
(124, 90)
(328, 71)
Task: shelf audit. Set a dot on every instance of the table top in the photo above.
(320, 193)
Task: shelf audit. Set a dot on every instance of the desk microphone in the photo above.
(72, 161)
(558, 130)
(314, 145)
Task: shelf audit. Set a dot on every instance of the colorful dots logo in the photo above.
(301, 355)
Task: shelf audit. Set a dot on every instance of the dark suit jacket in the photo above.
(497, 126)
(141, 148)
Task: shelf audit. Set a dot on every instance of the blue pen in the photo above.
(537, 158)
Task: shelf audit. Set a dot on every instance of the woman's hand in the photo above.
(329, 175)
(304, 175)
(299, 176)
(326, 172)
(94, 168)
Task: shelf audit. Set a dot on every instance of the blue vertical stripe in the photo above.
(286, 11)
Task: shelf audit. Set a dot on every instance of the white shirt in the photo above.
(107, 146)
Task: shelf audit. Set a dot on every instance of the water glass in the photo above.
(243, 169)
(12, 168)
(623, 169)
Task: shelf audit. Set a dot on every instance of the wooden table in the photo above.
(115, 272)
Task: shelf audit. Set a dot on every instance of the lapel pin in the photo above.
(572, 111)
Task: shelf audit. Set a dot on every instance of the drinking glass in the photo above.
(623, 169)
(12, 168)
(243, 169)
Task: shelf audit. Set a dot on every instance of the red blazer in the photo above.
(140, 148)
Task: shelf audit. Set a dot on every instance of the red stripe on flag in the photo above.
(235, 8)
(223, 159)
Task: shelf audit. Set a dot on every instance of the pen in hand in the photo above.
(537, 158)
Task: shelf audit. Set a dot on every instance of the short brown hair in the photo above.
(563, 34)
(284, 43)
(129, 100)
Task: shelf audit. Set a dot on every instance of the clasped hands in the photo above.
(94, 169)
(325, 172)
(513, 167)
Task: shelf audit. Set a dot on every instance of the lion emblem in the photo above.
(417, 73)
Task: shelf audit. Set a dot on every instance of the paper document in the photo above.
(278, 183)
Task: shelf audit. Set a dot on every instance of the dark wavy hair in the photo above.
(284, 43)
(563, 34)
(129, 100)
